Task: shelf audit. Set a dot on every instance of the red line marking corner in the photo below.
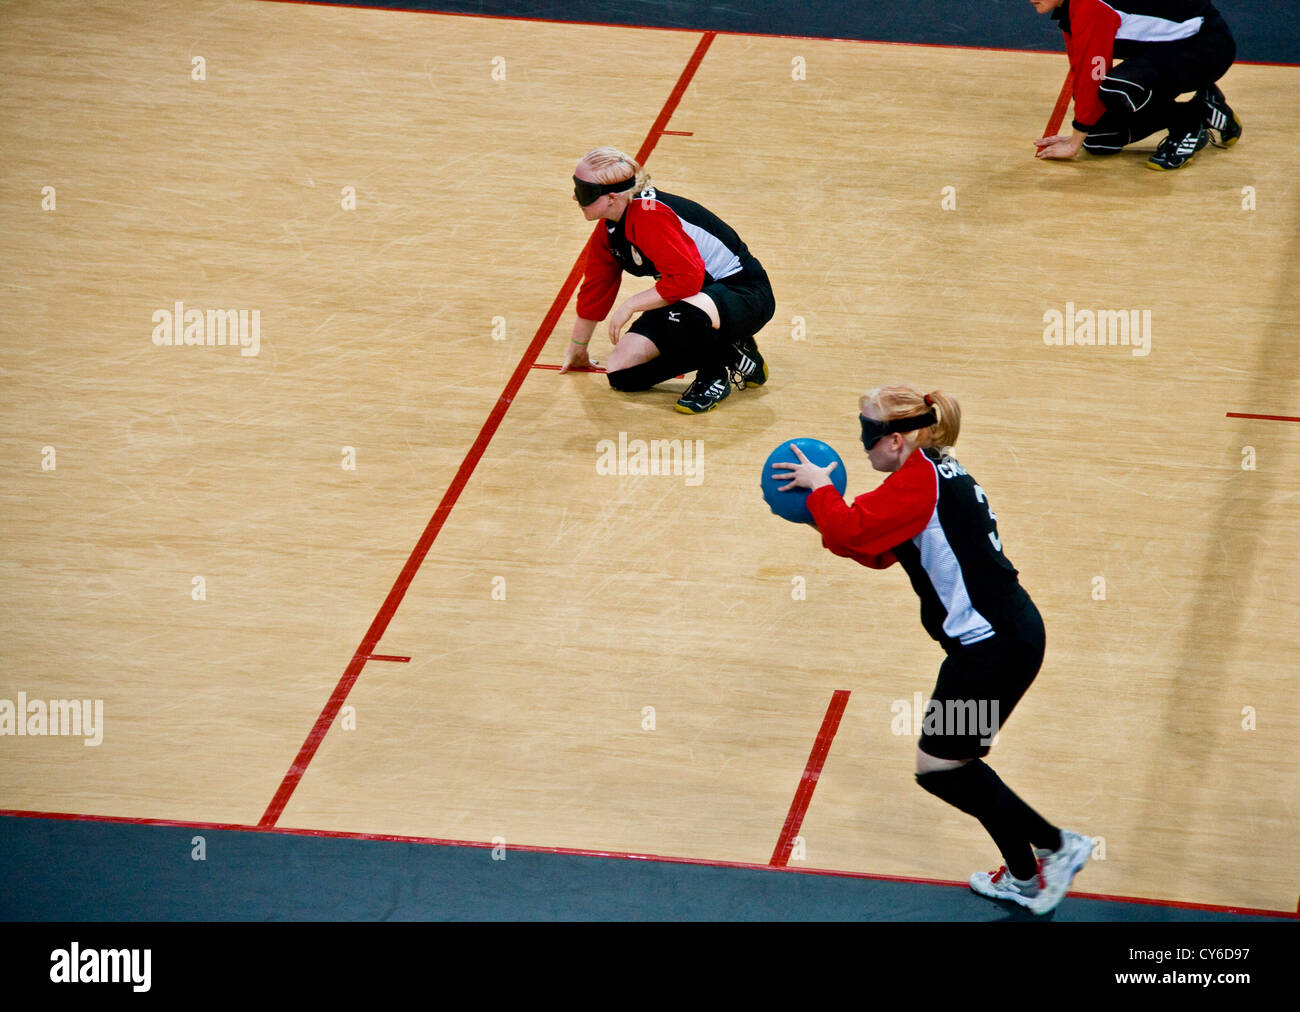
(808, 783)
(1058, 112)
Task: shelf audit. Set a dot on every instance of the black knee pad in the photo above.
(645, 375)
(1120, 95)
(968, 787)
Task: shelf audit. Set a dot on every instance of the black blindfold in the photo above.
(874, 431)
(587, 193)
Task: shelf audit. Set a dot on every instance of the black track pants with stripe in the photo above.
(1140, 94)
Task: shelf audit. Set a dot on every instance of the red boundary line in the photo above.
(808, 783)
(1267, 418)
(541, 365)
(719, 31)
(386, 611)
(430, 841)
(1058, 111)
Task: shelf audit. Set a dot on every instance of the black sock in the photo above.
(1015, 827)
(647, 374)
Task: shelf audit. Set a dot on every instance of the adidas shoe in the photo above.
(1058, 867)
(1002, 885)
(749, 370)
(1220, 118)
(1175, 151)
(708, 391)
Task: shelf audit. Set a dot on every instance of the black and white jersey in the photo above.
(680, 243)
(935, 520)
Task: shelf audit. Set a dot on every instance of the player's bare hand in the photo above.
(617, 321)
(804, 474)
(1060, 146)
(576, 358)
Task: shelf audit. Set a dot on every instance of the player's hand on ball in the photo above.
(804, 474)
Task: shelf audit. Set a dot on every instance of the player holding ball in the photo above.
(930, 516)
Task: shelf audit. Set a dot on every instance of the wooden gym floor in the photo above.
(1156, 529)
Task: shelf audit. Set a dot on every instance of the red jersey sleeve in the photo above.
(654, 228)
(896, 512)
(601, 277)
(1091, 47)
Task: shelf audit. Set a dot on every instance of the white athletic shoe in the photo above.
(1002, 885)
(1057, 868)
(1044, 892)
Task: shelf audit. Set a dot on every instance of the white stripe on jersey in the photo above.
(719, 261)
(1148, 28)
(963, 623)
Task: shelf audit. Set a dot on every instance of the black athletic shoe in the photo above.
(1220, 118)
(748, 368)
(708, 391)
(1177, 150)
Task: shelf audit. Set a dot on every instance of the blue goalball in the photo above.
(793, 505)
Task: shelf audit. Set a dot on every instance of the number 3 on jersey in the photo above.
(993, 534)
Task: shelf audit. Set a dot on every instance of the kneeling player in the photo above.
(710, 297)
(1168, 48)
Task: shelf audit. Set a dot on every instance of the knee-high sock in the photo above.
(1014, 826)
(647, 374)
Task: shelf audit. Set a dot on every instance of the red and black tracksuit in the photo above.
(1167, 48)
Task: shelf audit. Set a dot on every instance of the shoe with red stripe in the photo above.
(1002, 885)
(1058, 867)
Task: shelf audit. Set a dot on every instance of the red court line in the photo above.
(1058, 112)
(679, 133)
(808, 783)
(430, 841)
(1267, 418)
(387, 657)
(386, 611)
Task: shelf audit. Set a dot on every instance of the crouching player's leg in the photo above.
(664, 343)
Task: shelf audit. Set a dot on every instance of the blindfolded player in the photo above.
(930, 516)
(709, 299)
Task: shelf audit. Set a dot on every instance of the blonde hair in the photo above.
(609, 165)
(905, 401)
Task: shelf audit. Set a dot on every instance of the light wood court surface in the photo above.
(523, 717)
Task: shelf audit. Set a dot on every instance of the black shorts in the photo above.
(980, 685)
(745, 305)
